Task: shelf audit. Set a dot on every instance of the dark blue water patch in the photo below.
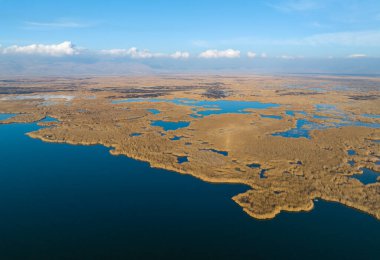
(254, 165)
(289, 113)
(224, 153)
(6, 116)
(217, 106)
(262, 174)
(176, 138)
(367, 177)
(304, 126)
(257, 166)
(272, 116)
(371, 115)
(135, 134)
(351, 152)
(351, 162)
(182, 159)
(79, 202)
(231, 106)
(154, 111)
(49, 119)
(297, 132)
(377, 163)
(166, 125)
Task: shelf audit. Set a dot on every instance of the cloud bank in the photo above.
(229, 53)
(357, 56)
(180, 55)
(65, 48)
(135, 53)
(132, 52)
(251, 54)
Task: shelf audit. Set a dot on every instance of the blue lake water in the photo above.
(254, 165)
(367, 177)
(262, 174)
(303, 126)
(293, 112)
(5, 116)
(61, 201)
(166, 125)
(299, 131)
(182, 159)
(224, 153)
(351, 162)
(215, 106)
(154, 111)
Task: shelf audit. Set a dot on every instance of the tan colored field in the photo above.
(297, 170)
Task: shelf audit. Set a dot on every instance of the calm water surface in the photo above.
(211, 107)
(78, 202)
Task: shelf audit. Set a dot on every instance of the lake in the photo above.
(61, 201)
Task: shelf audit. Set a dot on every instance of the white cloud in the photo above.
(180, 55)
(135, 53)
(65, 48)
(132, 52)
(357, 56)
(251, 54)
(263, 55)
(229, 53)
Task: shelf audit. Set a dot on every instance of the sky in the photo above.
(196, 30)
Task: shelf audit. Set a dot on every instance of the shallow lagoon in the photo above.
(63, 201)
(214, 107)
(211, 107)
(6, 116)
(167, 125)
(367, 177)
(303, 126)
(154, 111)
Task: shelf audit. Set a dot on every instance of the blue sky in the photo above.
(308, 28)
(202, 32)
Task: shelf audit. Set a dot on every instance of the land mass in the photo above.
(243, 147)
